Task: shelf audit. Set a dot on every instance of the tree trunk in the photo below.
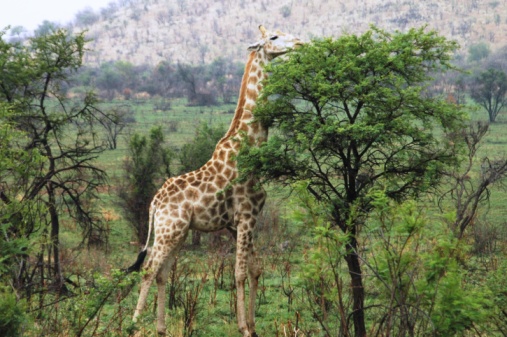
(356, 283)
(492, 116)
(55, 237)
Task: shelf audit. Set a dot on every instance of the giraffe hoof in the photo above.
(161, 332)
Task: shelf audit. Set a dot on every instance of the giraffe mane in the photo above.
(233, 129)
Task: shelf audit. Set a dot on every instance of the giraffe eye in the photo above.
(274, 37)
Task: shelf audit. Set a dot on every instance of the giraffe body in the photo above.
(208, 199)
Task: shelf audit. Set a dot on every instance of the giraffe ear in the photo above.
(256, 46)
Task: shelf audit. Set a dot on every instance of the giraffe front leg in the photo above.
(240, 274)
(254, 272)
(244, 250)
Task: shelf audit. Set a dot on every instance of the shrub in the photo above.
(12, 314)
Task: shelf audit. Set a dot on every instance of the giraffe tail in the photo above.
(139, 262)
(142, 255)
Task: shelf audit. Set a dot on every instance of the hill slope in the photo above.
(196, 31)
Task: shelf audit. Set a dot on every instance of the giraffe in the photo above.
(209, 199)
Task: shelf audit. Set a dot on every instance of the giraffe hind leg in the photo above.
(152, 268)
(156, 267)
(162, 277)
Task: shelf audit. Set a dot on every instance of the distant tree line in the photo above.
(202, 85)
(483, 81)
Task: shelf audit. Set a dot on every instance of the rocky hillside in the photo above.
(197, 31)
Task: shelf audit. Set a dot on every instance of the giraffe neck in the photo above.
(250, 88)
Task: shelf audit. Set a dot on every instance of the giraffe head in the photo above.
(274, 44)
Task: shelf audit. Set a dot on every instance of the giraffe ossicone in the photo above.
(209, 199)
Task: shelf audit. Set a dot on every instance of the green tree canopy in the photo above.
(478, 51)
(61, 132)
(352, 115)
(489, 89)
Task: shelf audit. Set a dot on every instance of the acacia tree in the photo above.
(352, 116)
(465, 193)
(62, 133)
(114, 121)
(164, 75)
(489, 89)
